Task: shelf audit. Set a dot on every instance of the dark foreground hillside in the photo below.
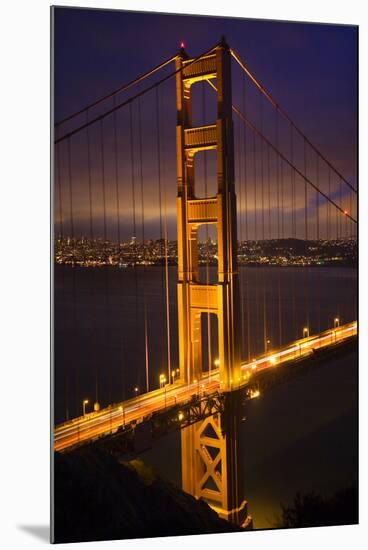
(96, 498)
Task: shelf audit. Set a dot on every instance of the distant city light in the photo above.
(87, 252)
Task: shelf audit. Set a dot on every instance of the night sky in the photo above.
(310, 69)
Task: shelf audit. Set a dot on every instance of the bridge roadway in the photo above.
(94, 425)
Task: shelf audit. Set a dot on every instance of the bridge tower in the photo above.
(209, 448)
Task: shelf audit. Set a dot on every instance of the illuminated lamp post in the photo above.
(85, 402)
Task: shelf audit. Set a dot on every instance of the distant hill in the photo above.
(99, 498)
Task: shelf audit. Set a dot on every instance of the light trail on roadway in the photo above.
(109, 419)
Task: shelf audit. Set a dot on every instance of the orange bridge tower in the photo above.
(209, 448)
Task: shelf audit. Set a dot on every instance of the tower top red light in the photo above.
(182, 45)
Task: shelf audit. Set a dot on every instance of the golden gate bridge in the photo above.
(246, 173)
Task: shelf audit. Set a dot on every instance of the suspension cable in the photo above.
(113, 94)
(282, 157)
(132, 98)
(286, 116)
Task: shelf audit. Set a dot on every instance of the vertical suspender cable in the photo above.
(240, 179)
(166, 241)
(146, 341)
(158, 144)
(269, 193)
(340, 204)
(71, 198)
(271, 287)
(256, 245)
(337, 224)
(319, 296)
(255, 186)
(75, 363)
(306, 268)
(317, 201)
(132, 175)
(293, 228)
(265, 336)
(89, 177)
(134, 220)
(61, 236)
(336, 244)
(351, 213)
(91, 229)
(106, 278)
(328, 205)
(282, 199)
(278, 229)
(118, 227)
(61, 228)
(117, 195)
(245, 154)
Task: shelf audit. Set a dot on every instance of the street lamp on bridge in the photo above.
(162, 380)
(85, 402)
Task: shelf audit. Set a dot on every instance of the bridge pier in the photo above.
(211, 460)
